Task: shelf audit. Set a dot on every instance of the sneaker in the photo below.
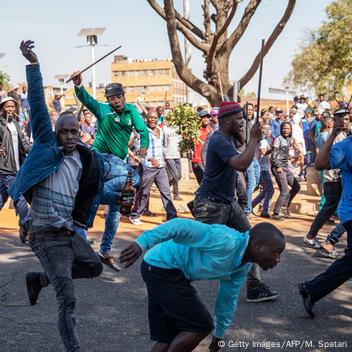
(265, 215)
(135, 221)
(33, 287)
(307, 300)
(260, 294)
(148, 213)
(276, 217)
(285, 213)
(313, 243)
(329, 249)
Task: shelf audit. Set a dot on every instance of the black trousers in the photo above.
(198, 170)
(336, 274)
(332, 192)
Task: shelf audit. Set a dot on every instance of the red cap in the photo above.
(228, 108)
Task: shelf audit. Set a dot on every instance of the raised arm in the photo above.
(84, 97)
(40, 120)
(322, 159)
(242, 161)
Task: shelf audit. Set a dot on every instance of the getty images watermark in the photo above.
(287, 344)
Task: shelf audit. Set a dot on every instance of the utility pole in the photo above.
(188, 53)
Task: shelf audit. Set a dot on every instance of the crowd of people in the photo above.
(59, 166)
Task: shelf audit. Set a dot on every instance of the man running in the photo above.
(116, 120)
(63, 182)
(182, 251)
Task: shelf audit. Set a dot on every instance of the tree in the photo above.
(324, 62)
(187, 123)
(215, 42)
(4, 79)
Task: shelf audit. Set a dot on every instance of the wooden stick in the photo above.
(222, 92)
(260, 80)
(94, 63)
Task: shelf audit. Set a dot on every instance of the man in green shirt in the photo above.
(115, 119)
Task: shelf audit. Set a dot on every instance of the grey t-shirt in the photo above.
(54, 198)
(171, 143)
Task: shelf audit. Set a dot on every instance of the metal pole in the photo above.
(61, 81)
(188, 53)
(93, 70)
(287, 112)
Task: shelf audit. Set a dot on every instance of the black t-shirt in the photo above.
(219, 178)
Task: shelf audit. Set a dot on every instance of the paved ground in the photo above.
(112, 309)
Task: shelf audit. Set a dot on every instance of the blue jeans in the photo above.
(64, 258)
(115, 176)
(20, 205)
(252, 177)
(267, 191)
(335, 235)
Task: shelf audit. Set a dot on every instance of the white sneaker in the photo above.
(311, 243)
(135, 221)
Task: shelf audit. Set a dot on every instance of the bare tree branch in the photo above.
(207, 26)
(182, 21)
(216, 4)
(242, 26)
(217, 36)
(182, 70)
(276, 32)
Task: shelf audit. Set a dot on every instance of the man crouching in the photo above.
(183, 250)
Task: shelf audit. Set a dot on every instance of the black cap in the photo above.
(113, 89)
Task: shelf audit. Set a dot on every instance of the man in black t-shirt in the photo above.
(215, 201)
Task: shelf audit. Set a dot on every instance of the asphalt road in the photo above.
(112, 309)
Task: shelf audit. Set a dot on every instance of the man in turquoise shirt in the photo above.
(183, 250)
(116, 119)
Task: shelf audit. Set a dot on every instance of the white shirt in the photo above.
(14, 136)
(323, 105)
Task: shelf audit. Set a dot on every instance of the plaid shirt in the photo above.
(155, 149)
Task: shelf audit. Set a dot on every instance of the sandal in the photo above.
(109, 260)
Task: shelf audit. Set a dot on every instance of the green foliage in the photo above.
(324, 63)
(188, 125)
(4, 79)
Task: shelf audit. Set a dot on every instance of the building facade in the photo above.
(151, 81)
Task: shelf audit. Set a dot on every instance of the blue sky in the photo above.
(142, 33)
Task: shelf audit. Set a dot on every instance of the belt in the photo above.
(50, 233)
(214, 199)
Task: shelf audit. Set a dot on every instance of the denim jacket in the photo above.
(46, 156)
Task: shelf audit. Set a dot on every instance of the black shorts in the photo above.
(173, 304)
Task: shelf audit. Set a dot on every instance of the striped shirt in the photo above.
(54, 198)
(155, 149)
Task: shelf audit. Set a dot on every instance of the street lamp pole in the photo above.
(91, 35)
(61, 79)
